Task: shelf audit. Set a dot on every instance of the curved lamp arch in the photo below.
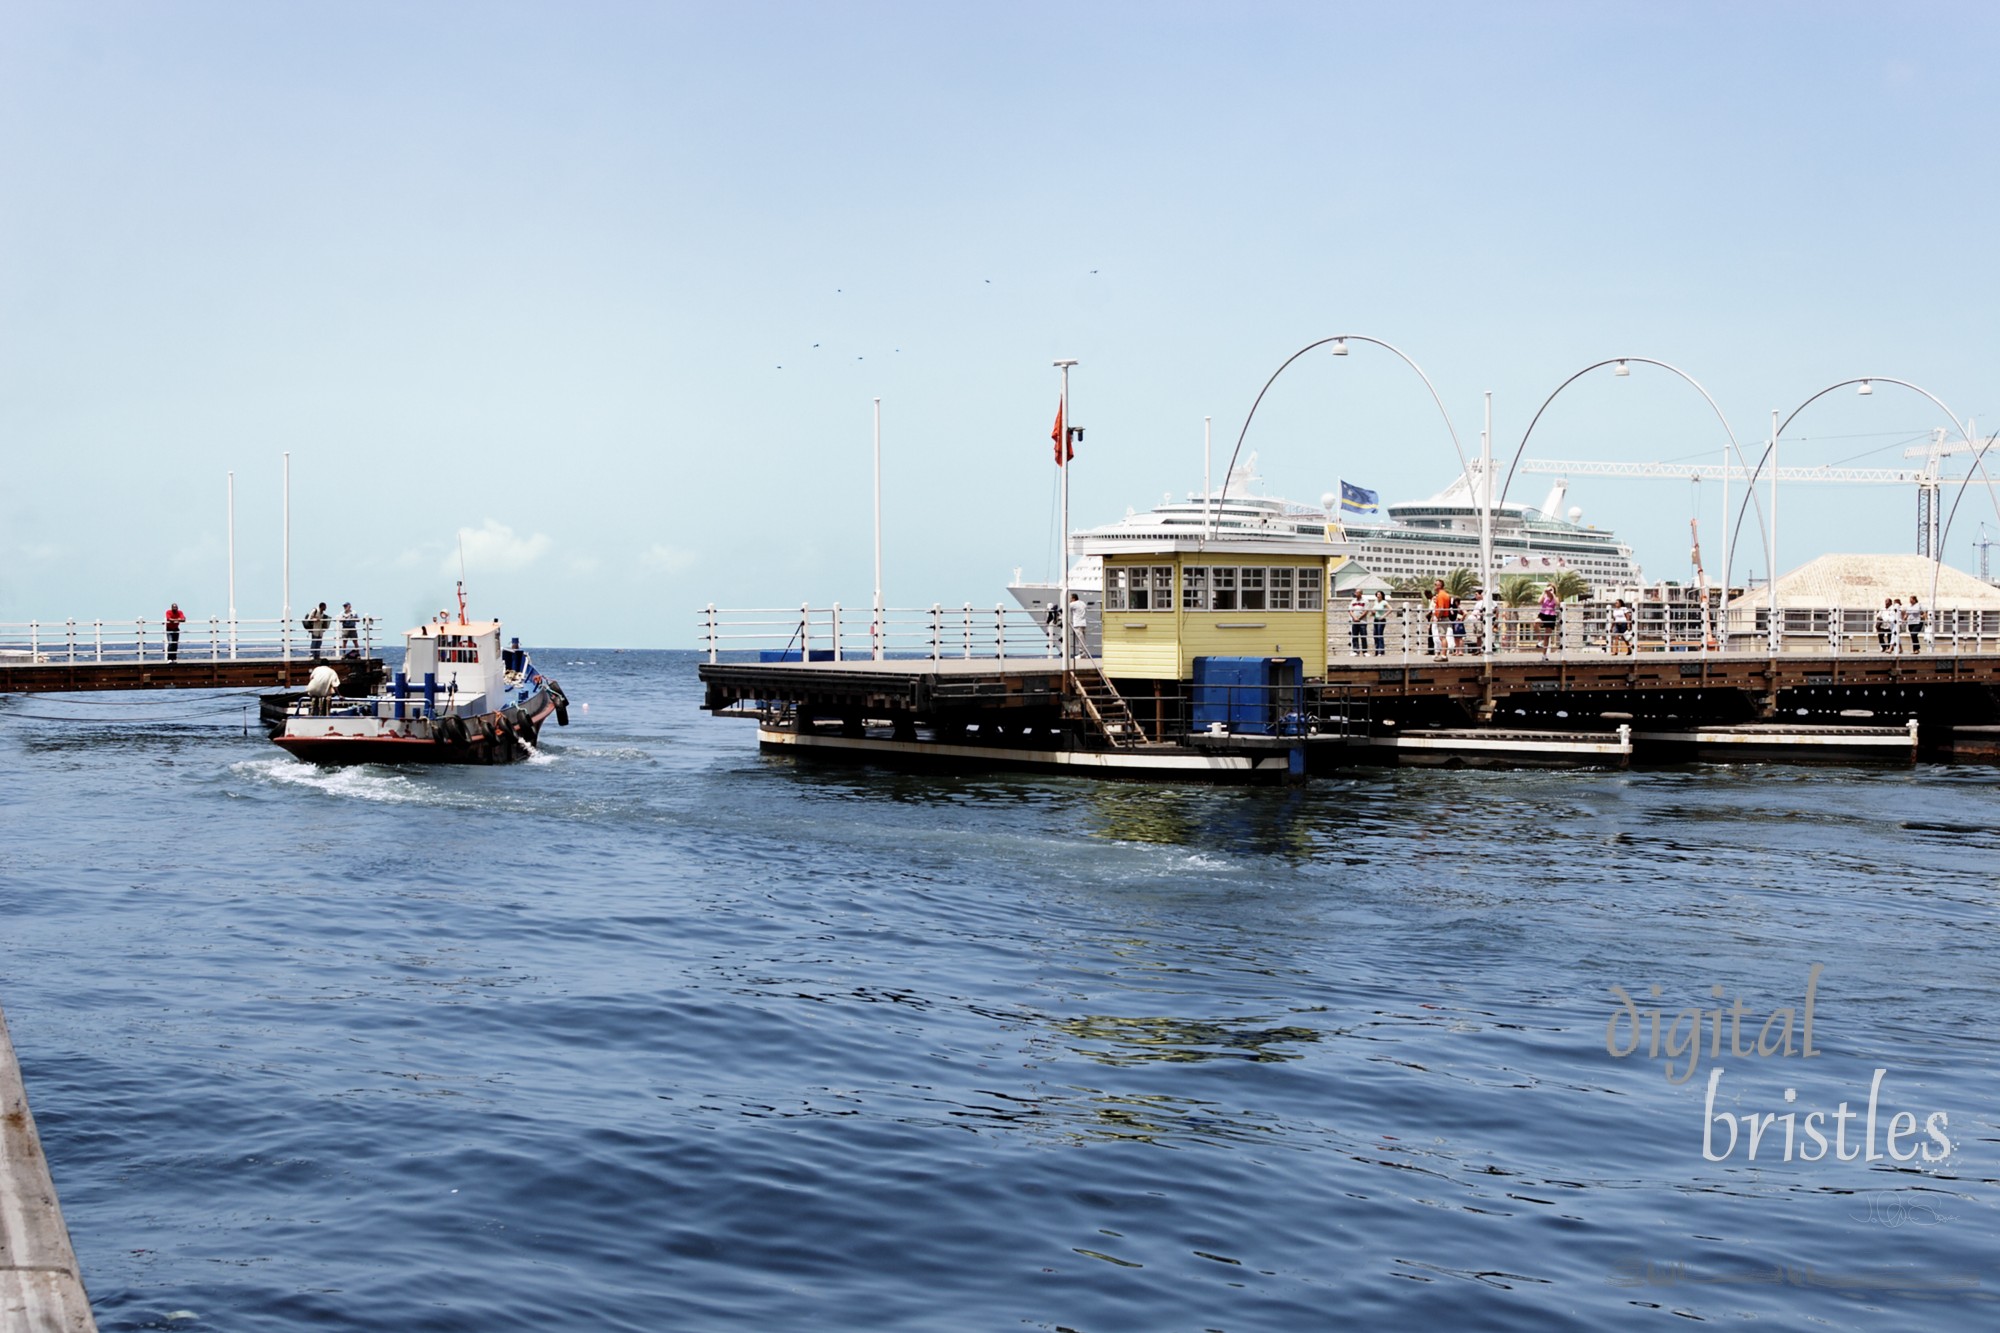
(1979, 466)
(1343, 339)
(1741, 460)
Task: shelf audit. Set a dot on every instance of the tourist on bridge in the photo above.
(1888, 625)
(1357, 625)
(350, 631)
(1440, 621)
(175, 616)
(1549, 617)
(316, 624)
(1917, 623)
(1380, 613)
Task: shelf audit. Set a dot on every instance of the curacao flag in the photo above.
(1354, 500)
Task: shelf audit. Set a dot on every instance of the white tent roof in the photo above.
(1856, 581)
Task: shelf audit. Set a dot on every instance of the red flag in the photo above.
(1057, 436)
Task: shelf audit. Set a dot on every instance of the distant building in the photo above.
(1857, 582)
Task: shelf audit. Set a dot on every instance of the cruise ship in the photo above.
(1417, 539)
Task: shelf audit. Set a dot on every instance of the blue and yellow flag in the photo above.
(1354, 500)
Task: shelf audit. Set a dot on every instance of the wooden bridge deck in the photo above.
(41, 1290)
(186, 674)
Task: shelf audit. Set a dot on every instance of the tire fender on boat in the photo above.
(562, 704)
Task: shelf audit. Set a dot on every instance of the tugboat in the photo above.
(459, 699)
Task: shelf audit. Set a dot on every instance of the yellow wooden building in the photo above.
(1181, 599)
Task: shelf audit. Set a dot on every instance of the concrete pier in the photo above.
(41, 1290)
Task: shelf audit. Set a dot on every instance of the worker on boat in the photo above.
(319, 689)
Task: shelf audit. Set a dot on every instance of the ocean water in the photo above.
(655, 1033)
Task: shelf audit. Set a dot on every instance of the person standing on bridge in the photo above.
(316, 623)
(350, 631)
(175, 617)
(1077, 616)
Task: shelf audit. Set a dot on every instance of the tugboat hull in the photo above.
(492, 738)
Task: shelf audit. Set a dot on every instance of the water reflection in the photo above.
(1134, 1041)
(1254, 820)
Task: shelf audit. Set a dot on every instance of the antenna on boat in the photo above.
(461, 576)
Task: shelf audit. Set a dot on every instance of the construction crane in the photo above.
(1926, 479)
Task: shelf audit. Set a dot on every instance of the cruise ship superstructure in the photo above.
(1417, 539)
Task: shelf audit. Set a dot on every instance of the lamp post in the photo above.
(1864, 387)
(1339, 343)
(875, 629)
(1622, 368)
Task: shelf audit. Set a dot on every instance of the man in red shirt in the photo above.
(174, 618)
(1441, 621)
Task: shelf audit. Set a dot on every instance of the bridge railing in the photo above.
(837, 633)
(1409, 632)
(84, 642)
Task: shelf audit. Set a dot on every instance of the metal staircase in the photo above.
(1106, 707)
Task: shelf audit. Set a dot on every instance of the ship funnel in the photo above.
(1553, 505)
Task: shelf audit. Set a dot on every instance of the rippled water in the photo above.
(656, 1033)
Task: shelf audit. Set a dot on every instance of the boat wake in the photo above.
(361, 782)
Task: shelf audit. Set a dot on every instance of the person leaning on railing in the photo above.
(174, 618)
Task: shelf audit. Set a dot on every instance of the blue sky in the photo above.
(532, 272)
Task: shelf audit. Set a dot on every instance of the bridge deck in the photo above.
(269, 673)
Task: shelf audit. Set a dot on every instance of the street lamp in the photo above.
(1339, 348)
(1864, 386)
(1622, 367)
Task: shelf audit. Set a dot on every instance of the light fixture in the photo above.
(1622, 370)
(1866, 388)
(1340, 347)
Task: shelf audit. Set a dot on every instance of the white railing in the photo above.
(1410, 633)
(843, 634)
(83, 642)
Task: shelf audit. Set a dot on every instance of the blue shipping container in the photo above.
(1251, 696)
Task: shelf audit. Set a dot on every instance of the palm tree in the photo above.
(1461, 583)
(1571, 586)
(1518, 590)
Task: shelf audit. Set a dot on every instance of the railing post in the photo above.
(71, 635)
(968, 629)
(1000, 630)
(805, 632)
(98, 632)
(834, 622)
(34, 636)
(711, 632)
(140, 632)
(937, 631)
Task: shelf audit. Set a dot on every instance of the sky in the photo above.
(606, 291)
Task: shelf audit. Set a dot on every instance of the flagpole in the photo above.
(232, 566)
(285, 621)
(1486, 530)
(1062, 461)
(1207, 483)
(875, 631)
